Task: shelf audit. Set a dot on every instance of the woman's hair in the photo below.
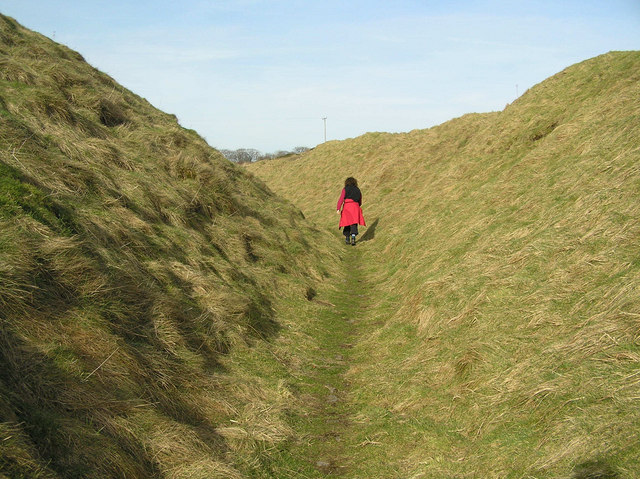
(351, 181)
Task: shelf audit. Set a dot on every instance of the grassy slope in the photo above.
(505, 262)
(146, 284)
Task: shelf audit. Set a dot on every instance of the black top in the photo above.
(353, 193)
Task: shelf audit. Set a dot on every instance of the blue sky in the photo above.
(262, 74)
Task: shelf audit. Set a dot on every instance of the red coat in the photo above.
(351, 212)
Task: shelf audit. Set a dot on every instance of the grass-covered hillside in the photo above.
(144, 281)
(504, 253)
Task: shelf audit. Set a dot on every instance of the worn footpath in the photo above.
(326, 427)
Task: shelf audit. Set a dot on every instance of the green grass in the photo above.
(164, 314)
(504, 267)
(138, 269)
(332, 433)
(325, 424)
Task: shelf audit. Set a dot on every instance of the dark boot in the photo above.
(353, 240)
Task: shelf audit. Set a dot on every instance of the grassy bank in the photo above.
(507, 271)
(163, 314)
(145, 283)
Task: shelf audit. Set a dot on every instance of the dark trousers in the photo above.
(350, 230)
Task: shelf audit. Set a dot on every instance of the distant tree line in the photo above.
(250, 155)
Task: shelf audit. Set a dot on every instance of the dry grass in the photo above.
(141, 276)
(505, 262)
(155, 309)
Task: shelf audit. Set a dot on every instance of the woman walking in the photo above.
(350, 211)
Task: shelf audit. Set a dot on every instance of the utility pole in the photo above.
(324, 119)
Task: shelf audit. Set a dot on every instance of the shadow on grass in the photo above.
(371, 231)
(37, 396)
(598, 469)
(57, 414)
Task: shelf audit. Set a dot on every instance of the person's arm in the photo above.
(341, 200)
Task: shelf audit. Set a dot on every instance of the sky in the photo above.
(263, 74)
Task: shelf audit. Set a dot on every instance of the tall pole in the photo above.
(324, 119)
